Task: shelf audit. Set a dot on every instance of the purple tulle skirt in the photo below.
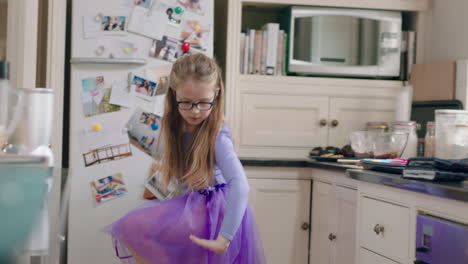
(159, 232)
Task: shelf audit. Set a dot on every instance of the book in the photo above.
(280, 53)
(251, 50)
(257, 52)
(263, 52)
(272, 43)
(246, 54)
(242, 51)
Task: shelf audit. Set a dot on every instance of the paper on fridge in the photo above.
(109, 144)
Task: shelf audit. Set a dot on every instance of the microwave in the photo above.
(344, 42)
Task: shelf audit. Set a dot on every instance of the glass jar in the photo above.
(429, 140)
(377, 126)
(451, 134)
(409, 127)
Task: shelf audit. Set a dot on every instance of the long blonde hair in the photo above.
(192, 166)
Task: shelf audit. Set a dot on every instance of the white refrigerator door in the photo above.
(86, 242)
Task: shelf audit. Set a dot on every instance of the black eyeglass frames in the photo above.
(202, 106)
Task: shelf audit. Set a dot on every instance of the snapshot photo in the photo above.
(142, 3)
(95, 97)
(143, 130)
(155, 185)
(196, 33)
(143, 87)
(113, 23)
(195, 6)
(108, 188)
(167, 49)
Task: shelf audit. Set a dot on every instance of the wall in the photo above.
(3, 29)
(447, 32)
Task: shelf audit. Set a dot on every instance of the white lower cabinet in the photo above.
(282, 208)
(333, 224)
(384, 228)
(368, 257)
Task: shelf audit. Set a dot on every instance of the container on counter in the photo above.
(409, 127)
(377, 126)
(451, 134)
(429, 140)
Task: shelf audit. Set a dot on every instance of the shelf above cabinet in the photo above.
(407, 5)
(86, 60)
(300, 80)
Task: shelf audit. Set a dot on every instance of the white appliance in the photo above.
(86, 242)
(344, 42)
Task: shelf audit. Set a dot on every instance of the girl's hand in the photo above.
(219, 246)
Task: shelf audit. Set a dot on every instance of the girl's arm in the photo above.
(237, 199)
(233, 173)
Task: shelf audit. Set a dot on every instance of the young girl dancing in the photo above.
(210, 221)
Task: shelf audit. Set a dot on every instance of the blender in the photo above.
(26, 117)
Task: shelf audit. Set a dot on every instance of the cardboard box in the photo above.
(433, 81)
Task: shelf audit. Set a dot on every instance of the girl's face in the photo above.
(195, 92)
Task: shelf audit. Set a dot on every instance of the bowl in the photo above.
(380, 145)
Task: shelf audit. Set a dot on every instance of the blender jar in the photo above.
(451, 134)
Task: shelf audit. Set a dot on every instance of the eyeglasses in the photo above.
(202, 106)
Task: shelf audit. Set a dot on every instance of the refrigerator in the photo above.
(120, 54)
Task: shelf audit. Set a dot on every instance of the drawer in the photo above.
(368, 257)
(384, 228)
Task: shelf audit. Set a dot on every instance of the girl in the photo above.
(211, 221)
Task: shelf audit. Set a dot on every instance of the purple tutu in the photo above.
(159, 232)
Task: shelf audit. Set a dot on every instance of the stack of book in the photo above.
(263, 51)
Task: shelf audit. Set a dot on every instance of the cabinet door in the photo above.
(352, 114)
(368, 257)
(346, 207)
(322, 223)
(283, 120)
(281, 208)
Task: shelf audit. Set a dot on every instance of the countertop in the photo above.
(301, 163)
(450, 190)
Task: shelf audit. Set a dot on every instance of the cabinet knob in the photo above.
(305, 226)
(334, 123)
(331, 237)
(323, 122)
(378, 229)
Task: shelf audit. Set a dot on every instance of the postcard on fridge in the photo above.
(108, 188)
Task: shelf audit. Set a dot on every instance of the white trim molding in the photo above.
(56, 38)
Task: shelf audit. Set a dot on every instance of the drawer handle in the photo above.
(323, 122)
(378, 229)
(331, 237)
(335, 123)
(305, 226)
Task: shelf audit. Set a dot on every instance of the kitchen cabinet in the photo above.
(369, 257)
(282, 208)
(384, 228)
(301, 122)
(333, 223)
